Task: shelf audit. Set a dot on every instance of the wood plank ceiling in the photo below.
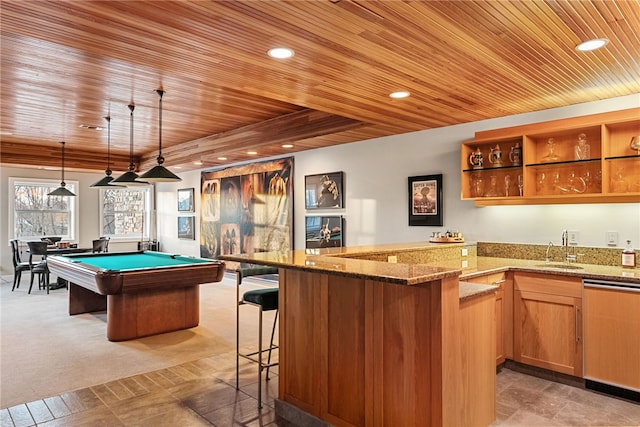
(70, 63)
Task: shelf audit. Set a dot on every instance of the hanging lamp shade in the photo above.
(159, 173)
(62, 190)
(129, 178)
(106, 180)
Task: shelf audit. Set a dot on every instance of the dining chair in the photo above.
(18, 265)
(100, 245)
(40, 267)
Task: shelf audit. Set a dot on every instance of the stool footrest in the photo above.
(253, 359)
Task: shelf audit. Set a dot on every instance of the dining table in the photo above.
(55, 250)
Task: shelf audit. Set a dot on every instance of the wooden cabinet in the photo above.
(548, 322)
(503, 312)
(584, 159)
(611, 344)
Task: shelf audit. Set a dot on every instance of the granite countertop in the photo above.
(338, 261)
(486, 265)
(470, 290)
(326, 261)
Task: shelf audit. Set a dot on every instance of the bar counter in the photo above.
(367, 342)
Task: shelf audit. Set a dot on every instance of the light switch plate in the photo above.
(574, 236)
(612, 238)
(465, 252)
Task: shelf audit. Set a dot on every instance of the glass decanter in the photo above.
(551, 156)
(582, 150)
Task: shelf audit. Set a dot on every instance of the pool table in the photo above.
(144, 292)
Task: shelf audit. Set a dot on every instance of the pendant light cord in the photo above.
(160, 158)
(108, 171)
(62, 184)
(131, 165)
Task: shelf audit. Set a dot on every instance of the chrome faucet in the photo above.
(547, 260)
(565, 243)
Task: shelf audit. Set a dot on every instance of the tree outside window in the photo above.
(35, 214)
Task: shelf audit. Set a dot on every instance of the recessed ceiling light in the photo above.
(197, 162)
(280, 52)
(399, 94)
(591, 45)
(91, 127)
(252, 153)
(222, 158)
(287, 145)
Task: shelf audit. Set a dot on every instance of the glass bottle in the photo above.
(629, 256)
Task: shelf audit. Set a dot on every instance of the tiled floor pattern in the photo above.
(202, 393)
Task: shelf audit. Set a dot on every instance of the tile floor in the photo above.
(202, 393)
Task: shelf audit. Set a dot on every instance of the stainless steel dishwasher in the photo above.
(611, 324)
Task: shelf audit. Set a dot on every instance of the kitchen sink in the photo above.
(560, 265)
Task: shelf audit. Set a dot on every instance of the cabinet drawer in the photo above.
(548, 284)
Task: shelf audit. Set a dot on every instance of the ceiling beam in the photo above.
(291, 127)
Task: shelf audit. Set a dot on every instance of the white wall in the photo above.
(89, 199)
(376, 193)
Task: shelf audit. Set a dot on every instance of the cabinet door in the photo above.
(503, 314)
(547, 331)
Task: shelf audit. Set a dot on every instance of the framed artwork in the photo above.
(246, 209)
(324, 231)
(425, 200)
(186, 226)
(185, 200)
(323, 191)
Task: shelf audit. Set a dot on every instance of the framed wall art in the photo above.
(186, 225)
(185, 200)
(324, 232)
(425, 200)
(324, 191)
(246, 209)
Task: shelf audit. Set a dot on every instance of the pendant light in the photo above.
(129, 178)
(106, 180)
(159, 173)
(62, 191)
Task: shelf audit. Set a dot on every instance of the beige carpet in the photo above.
(44, 351)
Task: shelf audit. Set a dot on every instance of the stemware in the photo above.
(520, 185)
(635, 143)
(551, 156)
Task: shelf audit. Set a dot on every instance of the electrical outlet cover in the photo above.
(612, 238)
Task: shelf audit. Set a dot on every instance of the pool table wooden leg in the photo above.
(139, 314)
(83, 300)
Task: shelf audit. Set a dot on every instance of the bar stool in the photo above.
(266, 300)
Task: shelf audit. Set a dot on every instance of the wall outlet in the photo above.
(392, 259)
(465, 252)
(612, 238)
(574, 236)
(465, 263)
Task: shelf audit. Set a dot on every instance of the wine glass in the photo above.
(635, 143)
(520, 185)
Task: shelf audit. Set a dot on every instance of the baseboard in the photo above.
(297, 416)
(612, 390)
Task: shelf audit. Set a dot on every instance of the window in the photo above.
(34, 214)
(125, 213)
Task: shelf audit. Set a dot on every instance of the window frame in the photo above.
(74, 205)
(133, 237)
